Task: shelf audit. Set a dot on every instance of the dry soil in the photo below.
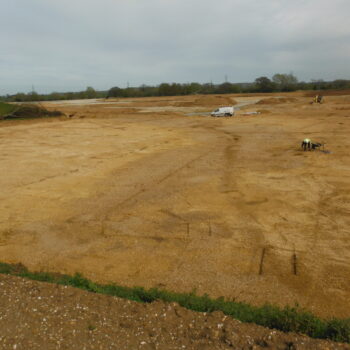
(154, 192)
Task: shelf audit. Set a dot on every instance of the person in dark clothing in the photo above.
(306, 144)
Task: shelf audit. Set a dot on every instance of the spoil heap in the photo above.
(275, 101)
(25, 111)
(208, 101)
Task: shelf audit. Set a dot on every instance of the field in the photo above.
(154, 192)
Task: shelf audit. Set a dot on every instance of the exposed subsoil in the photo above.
(276, 100)
(36, 315)
(208, 101)
(145, 195)
(327, 93)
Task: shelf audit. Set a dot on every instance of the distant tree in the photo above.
(55, 96)
(279, 82)
(143, 89)
(146, 91)
(115, 92)
(164, 89)
(20, 97)
(90, 92)
(318, 84)
(227, 88)
(131, 92)
(264, 84)
(193, 88)
(33, 96)
(341, 84)
(285, 82)
(207, 88)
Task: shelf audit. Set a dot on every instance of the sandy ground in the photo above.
(144, 195)
(42, 316)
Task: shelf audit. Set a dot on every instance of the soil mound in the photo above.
(154, 103)
(343, 108)
(263, 111)
(37, 315)
(313, 93)
(31, 111)
(208, 101)
(275, 101)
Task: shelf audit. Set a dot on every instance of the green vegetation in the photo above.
(288, 319)
(278, 83)
(91, 327)
(6, 108)
(25, 111)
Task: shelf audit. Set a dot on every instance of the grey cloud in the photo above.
(67, 45)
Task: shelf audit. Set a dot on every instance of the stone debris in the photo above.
(36, 315)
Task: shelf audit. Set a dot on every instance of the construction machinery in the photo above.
(318, 99)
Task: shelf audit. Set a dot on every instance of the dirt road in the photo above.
(227, 207)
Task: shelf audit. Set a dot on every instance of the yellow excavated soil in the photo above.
(226, 206)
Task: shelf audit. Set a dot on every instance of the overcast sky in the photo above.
(67, 45)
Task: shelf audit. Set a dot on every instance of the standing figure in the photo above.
(306, 144)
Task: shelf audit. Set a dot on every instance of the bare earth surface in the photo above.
(37, 315)
(137, 192)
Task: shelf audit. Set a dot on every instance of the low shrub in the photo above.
(287, 319)
(6, 108)
(25, 111)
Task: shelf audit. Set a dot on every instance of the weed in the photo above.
(287, 319)
(91, 327)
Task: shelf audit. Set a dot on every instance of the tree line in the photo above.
(278, 83)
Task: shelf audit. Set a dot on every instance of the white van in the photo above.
(223, 112)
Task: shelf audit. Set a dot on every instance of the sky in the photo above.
(67, 45)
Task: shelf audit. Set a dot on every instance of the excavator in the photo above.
(318, 99)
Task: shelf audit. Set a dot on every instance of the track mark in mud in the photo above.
(103, 229)
(180, 168)
(294, 264)
(261, 265)
(229, 154)
(49, 178)
(144, 189)
(170, 213)
(140, 236)
(230, 191)
(130, 197)
(157, 239)
(265, 200)
(158, 182)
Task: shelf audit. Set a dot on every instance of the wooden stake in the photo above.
(262, 261)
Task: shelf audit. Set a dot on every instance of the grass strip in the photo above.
(6, 108)
(287, 319)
